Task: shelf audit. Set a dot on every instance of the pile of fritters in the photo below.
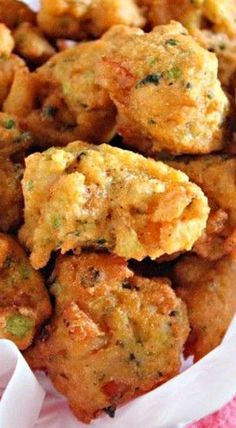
(118, 190)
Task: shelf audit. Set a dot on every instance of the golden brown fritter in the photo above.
(8, 67)
(31, 44)
(67, 104)
(77, 20)
(211, 22)
(24, 302)
(12, 138)
(102, 196)
(7, 41)
(13, 12)
(166, 90)
(209, 291)
(113, 337)
(216, 175)
(11, 197)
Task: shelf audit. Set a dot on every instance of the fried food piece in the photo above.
(67, 102)
(7, 41)
(101, 196)
(12, 138)
(11, 197)
(24, 303)
(78, 20)
(113, 337)
(212, 22)
(13, 12)
(8, 68)
(209, 291)
(166, 90)
(31, 44)
(216, 175)
(220, 15)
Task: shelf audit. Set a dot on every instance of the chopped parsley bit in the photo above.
(189, 85)
(210, 95)
(171, 42)
(222, 46)
(82, 104)
(24, 271)
(24, 136)
(101, 241)
(151, 121)
(19, 325)
(152, 60)
(174, 73)
(9, 124)
(56, 221)
(153, 79)
(56, 288)
(30, 185)
(111, 410)
(50, 111)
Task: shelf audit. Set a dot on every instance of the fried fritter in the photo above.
(211, 22)
(216, 175)
(166, 90)
(6, 41)
(13, 12)
(12, 138)
(24, 302)
(101, 196)
(67, 103)
(113, 337)
(31, 44)
(77, 20)
(8, 67)
(11, 197)
(209, 291)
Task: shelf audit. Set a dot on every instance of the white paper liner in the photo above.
(198, 391)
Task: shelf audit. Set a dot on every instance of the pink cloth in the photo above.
(224, 418)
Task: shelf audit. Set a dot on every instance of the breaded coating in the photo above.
(13, 12)
(113, 337)
(166, 91)
(12, 138)
(11, 197)
(211, 22)
(6, 41)
(105, 197)
(216, 175)
(209, 291)
(220, 15)
(24, 303)
(68, 104)
(78, 20)
(31, 44)
(8, 68)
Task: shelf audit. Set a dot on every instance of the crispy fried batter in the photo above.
(78, 20)
(67, 103)
(166, 90)
(13, 12)
(8, 68)
(7, 41)
(11, 207)
(209, 290)
(31, 44)
(101, 196)
(24, 303)
(114, 335)
(12, 138)
(216, 175)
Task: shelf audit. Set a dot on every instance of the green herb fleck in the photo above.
(101, 241)
(189, 85)
(174, 73)
(210, 95)
(9, 124)
(56, 288)
(50, 111)
(222, 46)
(152, 60)
(24, 271)
(153, 79)
(19, 325)
(151, 121)
(23, 137)
(30, 185)
(56, 221)
(171, 42)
